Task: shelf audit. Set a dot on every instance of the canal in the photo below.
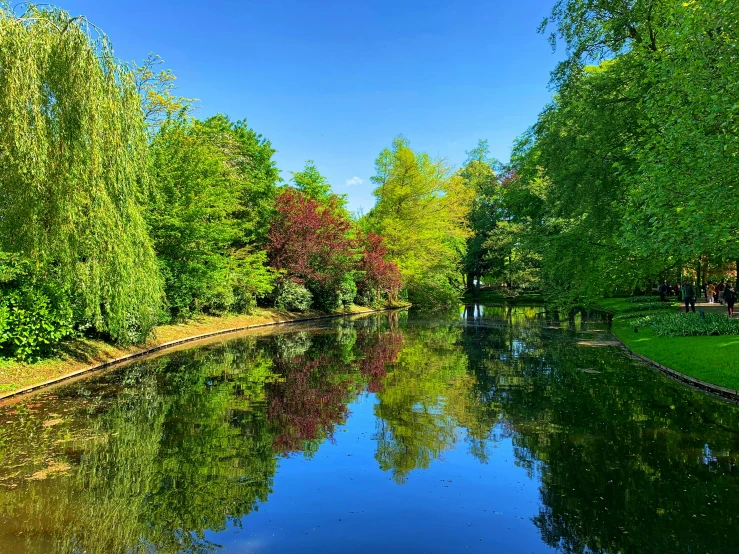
(481, 429)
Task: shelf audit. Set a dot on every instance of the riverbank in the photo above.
(79, 355)
(713, 359)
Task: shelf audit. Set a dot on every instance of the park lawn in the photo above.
(82, 353)
(708, 358)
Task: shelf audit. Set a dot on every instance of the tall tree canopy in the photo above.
(633, 164)
(208, 207)
(73, 168)
(485, 212)
(421, 211)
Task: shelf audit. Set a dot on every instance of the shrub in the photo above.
(371, 298)
(644, 307)
(330, 297)
(347, 292)
(292, 297)
(35, 315)
(689, 325)
(640, 299)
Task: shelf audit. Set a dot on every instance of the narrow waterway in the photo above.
(483, 429)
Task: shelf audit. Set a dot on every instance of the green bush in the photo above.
(370, 298)
(639, 299)
(333, 296)
(644, 307)
(35, 315)
(347, 292)
(689, 325)
(292, 297)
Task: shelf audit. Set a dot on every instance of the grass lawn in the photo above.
(83, 353)
(708, 358)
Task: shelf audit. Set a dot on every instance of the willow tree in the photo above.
(73, 167)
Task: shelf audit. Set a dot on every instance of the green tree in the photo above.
(312, 183)
(74, 167)
(637, 152)
(202, 226)
(421, 211)
(156, 89)
(485, 212)
(683, 201)
(316, 186)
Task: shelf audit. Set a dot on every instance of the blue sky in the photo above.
(336, 81)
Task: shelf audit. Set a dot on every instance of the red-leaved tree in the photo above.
(310, 241)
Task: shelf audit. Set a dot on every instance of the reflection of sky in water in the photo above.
(495, 431)
(452, 506)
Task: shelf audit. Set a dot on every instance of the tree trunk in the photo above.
(698, 275)
(705, 272)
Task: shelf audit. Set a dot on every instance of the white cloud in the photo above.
(354, 181)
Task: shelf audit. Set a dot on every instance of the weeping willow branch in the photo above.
(73, 169)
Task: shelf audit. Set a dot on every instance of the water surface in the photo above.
(486, 429)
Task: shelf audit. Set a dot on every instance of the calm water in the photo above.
(482, 430)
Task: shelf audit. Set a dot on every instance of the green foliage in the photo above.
(689, 325)
(199, 218)
(73, 169)
(421, 212)
(314, 185)
(35, 314)
(689, 148)
(370, 298)
(485, 215)
(643, 307)
(333, 296)
(640, 299)
(156, 89)
(292, 297)
(347, 291)
(633, 159)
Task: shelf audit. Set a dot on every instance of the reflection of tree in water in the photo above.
(433, 390)
(379, 348)
(422, 401)
(174, 448)
(309, 401)
(628, 461)
(155, 455)
(314, 390)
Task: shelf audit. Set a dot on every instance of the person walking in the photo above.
(689, 296)
(730, 298)
(709, 293)
(720, 288)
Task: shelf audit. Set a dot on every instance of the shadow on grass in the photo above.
(80, 351)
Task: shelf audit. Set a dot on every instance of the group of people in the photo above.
(723, 293)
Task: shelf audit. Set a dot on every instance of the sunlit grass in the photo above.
(714, 359)
(82, 353)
